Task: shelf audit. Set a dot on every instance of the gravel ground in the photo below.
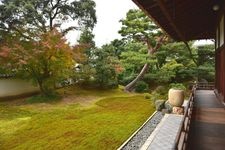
(139, 139)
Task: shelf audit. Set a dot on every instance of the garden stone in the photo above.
(178, 110)
(165, 111)
(159, 104)
(168, 106)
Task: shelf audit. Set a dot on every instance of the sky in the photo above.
(109, 13)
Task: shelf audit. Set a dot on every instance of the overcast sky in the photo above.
(108, 13)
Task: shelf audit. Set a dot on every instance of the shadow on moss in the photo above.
(44, 98)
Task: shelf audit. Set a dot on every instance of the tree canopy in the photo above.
(45, 62)
(138, 27)
(31, 17)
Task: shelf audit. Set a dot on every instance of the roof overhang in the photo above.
(184, 20)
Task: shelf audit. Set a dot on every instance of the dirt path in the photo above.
(82, 100)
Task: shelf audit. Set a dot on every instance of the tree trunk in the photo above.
(190, 52)
(151, 51)
(131, 85)
(40, 84)
(51, 24)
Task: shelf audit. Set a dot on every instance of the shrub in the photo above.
(162, 90)
(155, 96)
(178, 86)
(141, 86)
(147, 96)
(124, 80)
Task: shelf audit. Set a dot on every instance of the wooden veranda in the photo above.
(207, 128)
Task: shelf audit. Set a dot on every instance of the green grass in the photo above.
(104, 125)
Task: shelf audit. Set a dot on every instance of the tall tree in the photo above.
(106, 67)
(137, 26)
(30, 17)
(206, 62)
(85, 71)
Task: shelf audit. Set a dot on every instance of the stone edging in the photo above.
(125, 143)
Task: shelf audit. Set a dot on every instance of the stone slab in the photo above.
(164, 136)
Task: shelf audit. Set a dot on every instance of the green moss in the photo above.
(43, 98)
(106, 125)
(147, 96)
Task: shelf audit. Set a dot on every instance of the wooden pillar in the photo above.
(224, 52)
(216, 82)
(219, 58)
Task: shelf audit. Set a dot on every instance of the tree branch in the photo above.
(190, 52)
(65, 31)
(21, 33)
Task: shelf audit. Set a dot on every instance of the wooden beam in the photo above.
(140, 5)
(166, 13)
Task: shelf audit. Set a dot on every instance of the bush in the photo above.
(124, 80)
(178, 86)
(156, 96)
(162, 90)
(147, 96)
(112, 84)
(141, 86)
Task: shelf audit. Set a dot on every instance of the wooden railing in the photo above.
(205, 85)
(181, 139)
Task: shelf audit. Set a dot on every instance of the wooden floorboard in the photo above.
(207, 130)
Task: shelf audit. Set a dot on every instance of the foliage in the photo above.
(138, 26)
(168, 71)
(134, 56)
(124, 78)
(139, 29)
(206, 54)
(160, 93)
(106, 67)
(206, 62)
(174, 63)
(87, 38)
(141, 86)
(45, 62)
(178, 86)
(162, 90)
(85, 71)
(206, 71)
(171, 63)
(28, 18)
(147, 96)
